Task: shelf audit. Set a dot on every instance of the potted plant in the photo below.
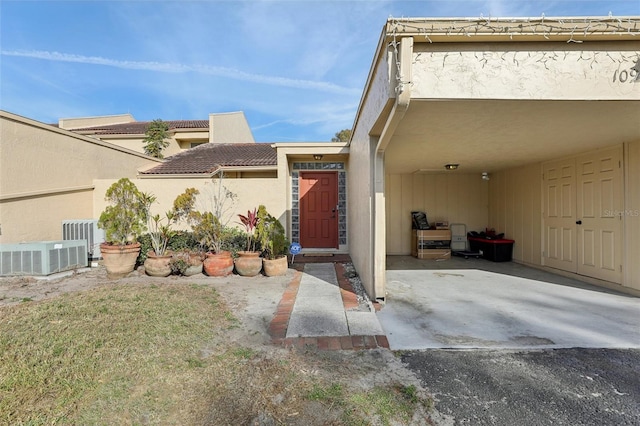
(186, 263)
(123, 221)
(248, 262)
(271, 235)
(209, 225)
(157, 261)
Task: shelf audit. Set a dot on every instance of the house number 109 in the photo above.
(624, 76)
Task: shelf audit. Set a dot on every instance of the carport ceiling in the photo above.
(492, 135)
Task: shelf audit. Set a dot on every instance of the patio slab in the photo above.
(471, 308)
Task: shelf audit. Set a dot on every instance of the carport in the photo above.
(539, 107)
(474, 303)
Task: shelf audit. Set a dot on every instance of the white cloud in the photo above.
(167, 67)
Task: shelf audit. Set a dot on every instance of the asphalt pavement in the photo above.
(539, 387)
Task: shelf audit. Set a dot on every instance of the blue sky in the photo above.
(296, 68)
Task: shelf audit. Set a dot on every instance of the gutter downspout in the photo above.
(403, 59)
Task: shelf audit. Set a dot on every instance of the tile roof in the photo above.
(139, 127)
(208, 157)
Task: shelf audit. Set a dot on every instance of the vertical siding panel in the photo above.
(394, 226)
(631, 248)
(441, 200)
(454, 197)
(494, 195)
(515, 206)
(406, 206)
(533, 218)
(517, 224)
(528, 188)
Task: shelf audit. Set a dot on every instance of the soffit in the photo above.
(492, 135)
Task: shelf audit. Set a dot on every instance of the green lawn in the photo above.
(160, 354)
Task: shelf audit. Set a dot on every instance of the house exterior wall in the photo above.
(135, 143)
(525, 70)
(496, 66)
(46, 176)
(249, 194)
(295, 158)
(229, 128)
(360, 186)
(453, 197)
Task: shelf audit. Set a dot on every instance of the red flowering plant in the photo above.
(250, 221)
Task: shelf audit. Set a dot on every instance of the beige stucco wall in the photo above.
(135, 143)
(288, 153)
(360, 188)
(46, 176)
(452, 197)
(250, 193)
(589, 70)
(229, 127)
(252, 188)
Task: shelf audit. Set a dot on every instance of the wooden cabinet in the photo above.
(431, 244)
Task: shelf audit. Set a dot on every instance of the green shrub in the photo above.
(125, 218)
(234, 240)
(271, 235)
(182, 240)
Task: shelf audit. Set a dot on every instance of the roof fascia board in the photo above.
(567, 29)
(312, 146)
(206, 175)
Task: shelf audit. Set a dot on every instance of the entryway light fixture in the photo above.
(485, 176)
(317, 157)
(451, 166)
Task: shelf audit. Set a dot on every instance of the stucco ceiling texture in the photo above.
(493, 135)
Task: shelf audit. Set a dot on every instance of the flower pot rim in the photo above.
(152, 253)
(222, 253)
(129, 245)
(254, 253)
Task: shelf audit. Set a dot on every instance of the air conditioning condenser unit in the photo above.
(85, 230)
(42, 257)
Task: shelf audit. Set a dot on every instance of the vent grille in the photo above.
(85, 230)
(42, 257)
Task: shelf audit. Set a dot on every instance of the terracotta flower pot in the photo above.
(157, 266)
(248, 263)
(119, 260)
(193, 270)
(275, 267)
(218, 264)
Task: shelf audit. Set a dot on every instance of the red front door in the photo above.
(318, 210)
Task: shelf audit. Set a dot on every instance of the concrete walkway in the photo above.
(319, 310)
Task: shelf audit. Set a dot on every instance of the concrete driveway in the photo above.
(459, 305)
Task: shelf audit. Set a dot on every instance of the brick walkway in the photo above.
(280, 322)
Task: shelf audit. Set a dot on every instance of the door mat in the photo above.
(318, 255)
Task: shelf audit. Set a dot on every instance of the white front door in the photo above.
(582, 214)
(560, 215)
(599, 202)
